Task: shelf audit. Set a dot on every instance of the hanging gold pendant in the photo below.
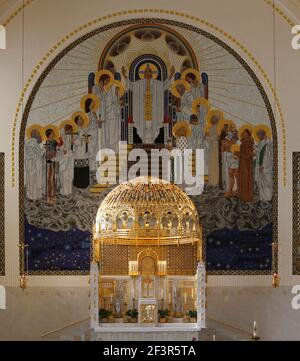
(275, 280)
(23, 282)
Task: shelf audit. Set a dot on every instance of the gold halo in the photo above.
(121, 87)
(71, 123)
(224, 122)
(200, 101)
(94, 98)
(180, 125)
(243, 128)
(179, 82)
(37, 127)
(153, 68)
(213, 112)
(235, 148)
(54, 128)
(86, 120)
(262, 127)
(106, 72)
(191, 71)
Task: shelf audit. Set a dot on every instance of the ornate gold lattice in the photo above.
(182, 260)
(114, 260)
(147, 211)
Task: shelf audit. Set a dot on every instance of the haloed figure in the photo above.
(34, 158)
(110, 113)
(93, 130)
(66, 163)
(81, 156)
(52, 167)
(264, 166)
(246, 154)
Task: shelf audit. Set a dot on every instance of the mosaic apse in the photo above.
(145, 84)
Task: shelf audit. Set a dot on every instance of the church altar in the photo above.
(147, 271)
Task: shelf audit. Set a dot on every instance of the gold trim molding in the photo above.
(16, 12)
(148, 11)
(280, 12)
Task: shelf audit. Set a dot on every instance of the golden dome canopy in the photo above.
(147, 211)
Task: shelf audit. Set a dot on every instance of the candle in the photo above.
(162, 293)
(170, 299)
(185, 297)
(214, 337)
(192, 293)
(254, 329)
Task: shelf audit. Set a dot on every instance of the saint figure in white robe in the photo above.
(34, 159)
(110, 115)
(66, 162)
(264, 167)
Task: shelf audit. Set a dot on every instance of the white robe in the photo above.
(225, 169)
(264, 179)
(34, 159)
(198, 91)
(148, 130)
(93, 130)
(185, 107)
(110, 113)
(66, 165)
(80, 144)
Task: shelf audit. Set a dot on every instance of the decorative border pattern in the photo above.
(146, 21)
(280, 12)
(2, 215)
(139, 11)
(296, 213)
(16, 12)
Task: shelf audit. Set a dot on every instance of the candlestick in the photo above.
(254, 335)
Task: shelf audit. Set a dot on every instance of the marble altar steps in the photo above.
(81, 332)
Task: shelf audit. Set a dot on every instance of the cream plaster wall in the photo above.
(249, 22)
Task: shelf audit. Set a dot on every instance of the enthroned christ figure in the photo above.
(148, 102)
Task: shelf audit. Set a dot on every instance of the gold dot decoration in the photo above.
(160, 11)
(16, 12)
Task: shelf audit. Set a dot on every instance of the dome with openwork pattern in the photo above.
(147, 211)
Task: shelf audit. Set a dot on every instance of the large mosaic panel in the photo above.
(150, 84)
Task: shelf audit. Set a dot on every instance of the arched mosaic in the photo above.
(239, 225)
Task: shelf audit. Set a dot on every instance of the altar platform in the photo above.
(145, 328)
(81, 332)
